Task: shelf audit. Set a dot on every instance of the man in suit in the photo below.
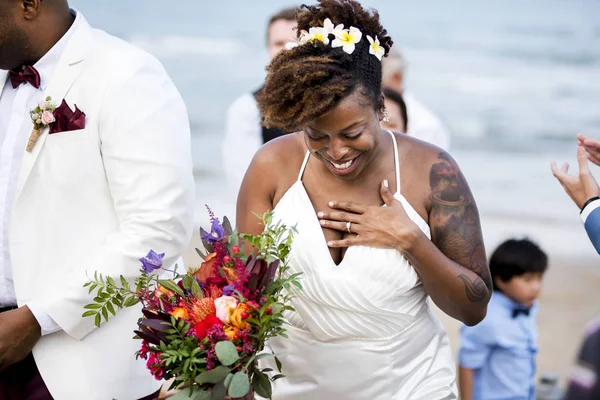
(583, 188)
(108, 180)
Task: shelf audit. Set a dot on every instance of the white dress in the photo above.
(362, 329)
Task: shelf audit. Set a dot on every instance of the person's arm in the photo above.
(242, 139)
(257, 191)
(453, 265)
(145, 145)
(465, 383)
(590, 215)
(476, 344)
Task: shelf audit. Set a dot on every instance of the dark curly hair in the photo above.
(309, 80)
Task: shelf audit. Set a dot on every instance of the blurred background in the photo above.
(514, 82)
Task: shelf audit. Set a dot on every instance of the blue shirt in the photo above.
(501, 351)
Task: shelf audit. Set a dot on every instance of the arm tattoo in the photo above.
(455, 227)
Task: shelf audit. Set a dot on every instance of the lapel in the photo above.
(66, 73)
(3, 77)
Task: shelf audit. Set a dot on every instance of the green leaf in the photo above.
(262, 385)
(92, 288)
(196, 289)
(105, 314)
(172, 287)
(89, 313)
(228, 380)
(219, 391)
(226, 352)
(239, 385)
(98, 320)
(278, 364)
(124, 282)
(213, 376)
(131, 301)
(110, 281)
(278, 376)
(92, 306)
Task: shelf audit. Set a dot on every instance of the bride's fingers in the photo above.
(339, 216)
(356, 241)
(348, 206)
(343, 226)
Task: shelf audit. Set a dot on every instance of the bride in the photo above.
(384, 221)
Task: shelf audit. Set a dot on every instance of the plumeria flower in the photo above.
(347, 39)
(318, 34)
(291, 45)
(331, 29)
(304, 36)
(375, 47)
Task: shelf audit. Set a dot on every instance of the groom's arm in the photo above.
(145, 144)
(590, 215)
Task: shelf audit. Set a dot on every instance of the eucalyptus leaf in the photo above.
(219, 391)
(213, 376)
(239, 385)
(226, 352)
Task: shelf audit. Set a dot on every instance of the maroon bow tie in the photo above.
(24, 74)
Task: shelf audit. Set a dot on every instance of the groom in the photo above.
(93, 185)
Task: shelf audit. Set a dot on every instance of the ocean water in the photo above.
(513, 80)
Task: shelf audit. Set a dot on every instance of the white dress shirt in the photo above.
(243, 138)
(15, 105)
(424, 124)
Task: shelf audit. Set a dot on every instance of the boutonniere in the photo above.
(58, 119)
(42, 116)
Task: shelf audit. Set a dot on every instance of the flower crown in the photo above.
(344, 38)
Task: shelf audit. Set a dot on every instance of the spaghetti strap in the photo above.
(396, 162)
(306, 157)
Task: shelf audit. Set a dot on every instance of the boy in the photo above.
(497, 356)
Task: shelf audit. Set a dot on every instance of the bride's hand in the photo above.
(383, 227)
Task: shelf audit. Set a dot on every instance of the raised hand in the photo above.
(579, 187)
(383, 227)
(592, 146)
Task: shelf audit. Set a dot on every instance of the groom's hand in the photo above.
(19, 332)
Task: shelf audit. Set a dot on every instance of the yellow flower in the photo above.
(230, 331)
(347, 39)
(180, 313)
(238, 315)
(319, 35)
(375, 47)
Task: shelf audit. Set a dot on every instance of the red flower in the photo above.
(203, 326)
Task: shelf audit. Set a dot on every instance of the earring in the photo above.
(386, 116)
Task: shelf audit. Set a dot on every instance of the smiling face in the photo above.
(347, 138)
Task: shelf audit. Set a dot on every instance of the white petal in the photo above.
(370, 39)
(380, 53)
(349, 48)
(291, 45)
(328, 24)
(337, 43)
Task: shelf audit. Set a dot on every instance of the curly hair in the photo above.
(308, 81)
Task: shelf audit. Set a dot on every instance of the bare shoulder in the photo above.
(275, 165)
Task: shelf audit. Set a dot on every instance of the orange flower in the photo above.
(207, 269)
(166, 291)
(179, 313)
(236, 319)
(199, 309)
(230, 331)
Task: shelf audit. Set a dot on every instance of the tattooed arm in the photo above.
(453, 266)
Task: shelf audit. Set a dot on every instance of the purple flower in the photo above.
(228, 290)
(152, 261)
(216, 232)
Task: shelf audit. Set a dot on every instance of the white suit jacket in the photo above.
(99, 199)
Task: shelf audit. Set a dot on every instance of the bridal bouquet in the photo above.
(207, 327)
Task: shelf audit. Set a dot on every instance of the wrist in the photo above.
(588, 201)
(408, 239)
